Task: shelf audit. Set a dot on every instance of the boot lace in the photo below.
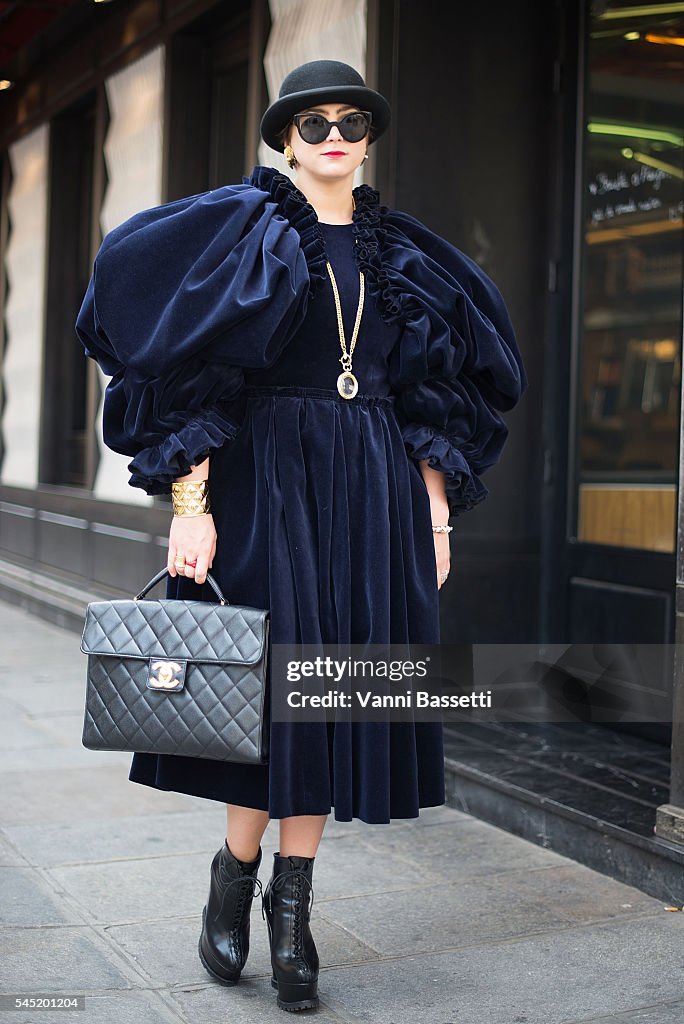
(278, 883)
(247, 887)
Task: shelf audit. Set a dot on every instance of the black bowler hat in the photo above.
(322, 81)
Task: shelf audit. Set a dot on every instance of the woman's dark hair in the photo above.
(283, 133)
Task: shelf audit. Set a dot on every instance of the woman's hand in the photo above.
(439, 513)
(442, 553)
(194, 539)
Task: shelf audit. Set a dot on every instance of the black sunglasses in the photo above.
(314, 128)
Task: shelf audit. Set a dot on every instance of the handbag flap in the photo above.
(201, 631)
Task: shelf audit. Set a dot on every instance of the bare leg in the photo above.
(301, 834)
(245, 827)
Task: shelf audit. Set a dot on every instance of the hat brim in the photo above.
(279, 113)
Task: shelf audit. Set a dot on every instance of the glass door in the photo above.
(630, 339)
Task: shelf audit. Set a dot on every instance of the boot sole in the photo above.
(207, 967)
(308, 1000)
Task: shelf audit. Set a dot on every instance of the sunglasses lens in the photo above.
(354, 127)
(313, 128)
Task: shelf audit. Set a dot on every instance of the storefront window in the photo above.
(631, 316)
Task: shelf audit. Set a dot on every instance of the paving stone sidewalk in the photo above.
(441, 920)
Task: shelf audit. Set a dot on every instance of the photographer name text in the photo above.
(368, 699)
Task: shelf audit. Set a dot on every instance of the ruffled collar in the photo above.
(368, 231)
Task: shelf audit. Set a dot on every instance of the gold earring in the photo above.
(289, 156)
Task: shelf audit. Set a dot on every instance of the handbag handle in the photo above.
(162, 572)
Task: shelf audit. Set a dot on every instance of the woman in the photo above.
(223, 319)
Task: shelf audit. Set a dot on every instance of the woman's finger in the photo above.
(201, 569)
(198, 571)
(172, 556)
(442, 558)
(189, 570)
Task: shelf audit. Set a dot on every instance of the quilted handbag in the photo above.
(171, 676)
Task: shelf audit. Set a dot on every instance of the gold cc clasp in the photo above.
(166, 675)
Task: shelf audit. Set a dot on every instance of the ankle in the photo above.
(243, 855)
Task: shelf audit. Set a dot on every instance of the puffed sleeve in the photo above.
(182, 298)
(457, 365)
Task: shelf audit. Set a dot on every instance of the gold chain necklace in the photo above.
(347, 384)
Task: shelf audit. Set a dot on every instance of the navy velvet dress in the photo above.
(321, 512)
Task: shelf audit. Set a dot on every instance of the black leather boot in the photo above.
(294, 958)
(224, 942)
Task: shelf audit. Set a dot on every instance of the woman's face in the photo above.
(317, 159)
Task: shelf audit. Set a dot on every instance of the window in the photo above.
(631, 315)
(66, 435)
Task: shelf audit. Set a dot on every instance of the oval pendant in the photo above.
(347, 384)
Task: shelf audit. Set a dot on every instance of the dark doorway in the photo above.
(207, 76)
